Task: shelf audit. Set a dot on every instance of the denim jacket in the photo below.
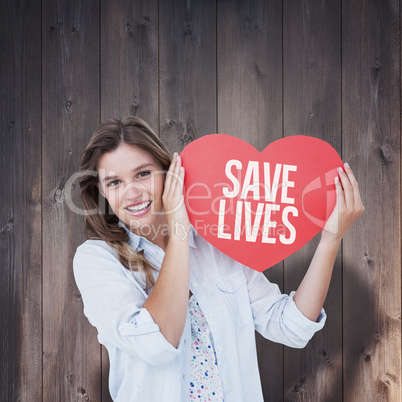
(235, 300)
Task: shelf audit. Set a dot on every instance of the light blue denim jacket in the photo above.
(235, 300)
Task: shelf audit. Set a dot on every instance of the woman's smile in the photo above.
(139, 208)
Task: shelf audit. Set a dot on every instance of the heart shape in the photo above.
(259, 207)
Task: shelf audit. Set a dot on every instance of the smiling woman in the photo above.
(113, 151)
(176, 315)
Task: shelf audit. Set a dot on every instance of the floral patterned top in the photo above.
(205, 383)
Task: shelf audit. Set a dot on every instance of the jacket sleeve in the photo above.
(113, 304)
(276, 316)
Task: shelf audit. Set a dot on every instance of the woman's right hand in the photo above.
(168, 301)
(173, 198)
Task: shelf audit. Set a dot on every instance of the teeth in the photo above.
(139, 206)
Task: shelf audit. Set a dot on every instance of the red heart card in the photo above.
(259, 207)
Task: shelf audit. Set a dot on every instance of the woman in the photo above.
(176, 315)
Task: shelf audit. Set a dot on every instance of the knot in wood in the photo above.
(260, 75)
(129, 29)
(84, 394)
(55, 26)
(145, 22)
(59, 196)
(367, 257)
(326, 358)
(7, 228)
(188, 134)
(188, 30)
(135, 105)
(384, 386)
(386, 153)
(377, 64)
(298, 388)
(375, 68)
(136, 102)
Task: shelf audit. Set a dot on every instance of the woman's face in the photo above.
(132, 182)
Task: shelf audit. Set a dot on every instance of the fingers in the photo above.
(340, 197)
(173, 197)
(347, 188)
(350, 189)
(174, 181)
(356, 193)
(168, 179)
(177, 181)
(348, 206)
(173, 173)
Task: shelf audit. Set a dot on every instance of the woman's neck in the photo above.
(158, 233)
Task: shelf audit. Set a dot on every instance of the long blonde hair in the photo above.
(103, 224)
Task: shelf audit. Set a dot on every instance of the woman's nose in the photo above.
(133, 192)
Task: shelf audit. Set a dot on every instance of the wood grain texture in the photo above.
(187, 71)
(129, 60)
(249, 47)
(70, 51)
(20, 195)
(312, 106)
(254, 69)
(250, 71)
(129, 76)
(372, 256)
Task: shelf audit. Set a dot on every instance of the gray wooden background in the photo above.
(257, 69)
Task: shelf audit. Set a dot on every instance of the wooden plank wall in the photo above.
(312, 106)
(20, 195)
(257, 69)
(70, 109)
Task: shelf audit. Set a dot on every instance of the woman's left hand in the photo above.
(348, 207)
(312, 292)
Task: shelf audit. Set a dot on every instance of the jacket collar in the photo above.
(138, 243)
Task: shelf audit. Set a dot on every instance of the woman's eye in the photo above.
(143, 174)
(113, 183)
